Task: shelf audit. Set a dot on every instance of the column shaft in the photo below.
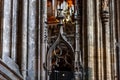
(90, 35)
(107, 51)
(1, 25)
(24, 38)
(39, 38)
(44, 39)
(14, 29)
(101, 65)
(106, 37)
(6, 29)
(53, 6)
(32, 40)
(118, 35)
(99, 59)
(113, 41)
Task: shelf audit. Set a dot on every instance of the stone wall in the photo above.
(23, 39)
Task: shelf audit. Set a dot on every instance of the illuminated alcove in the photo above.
(63, 40)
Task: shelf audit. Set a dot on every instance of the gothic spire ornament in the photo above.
(78, 67)
(60, 56)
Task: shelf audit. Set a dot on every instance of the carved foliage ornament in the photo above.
(105, 11)
(105, 5)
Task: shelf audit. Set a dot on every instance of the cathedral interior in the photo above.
(59, 40)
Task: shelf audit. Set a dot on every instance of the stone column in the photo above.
(117, 4)
(24, 38)
(39, 38)
(44, 39)
(100, 72)
(6, 29)
(14, 29)
(54, 6)
(90, 36)
(101, 57)
(78, 67)
(1, 25)
(32, 40)
(113, 41)
(106, 36)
